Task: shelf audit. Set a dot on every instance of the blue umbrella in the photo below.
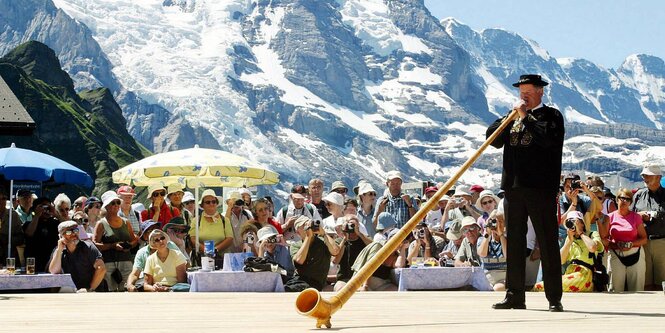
(24, 164)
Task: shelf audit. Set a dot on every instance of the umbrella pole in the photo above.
(11, 208)
(196, 217)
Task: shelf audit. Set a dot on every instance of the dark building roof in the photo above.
(14, 119)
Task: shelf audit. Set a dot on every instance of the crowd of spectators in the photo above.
(322, 238)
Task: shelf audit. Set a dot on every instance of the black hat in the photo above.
(176, 221)
(24, 193)
(534, 79)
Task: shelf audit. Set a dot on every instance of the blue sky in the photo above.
(604, 32)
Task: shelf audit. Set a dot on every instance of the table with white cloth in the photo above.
(437, 278)
(230, 281)
(36, 281)
(235, 261)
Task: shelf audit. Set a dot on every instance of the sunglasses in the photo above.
(114, 203)
(73, 231)
(626, 199)
(158, 194)
(208, 202)
(487, 202)
(341, 190)
(158, 239)
(470, 229)
(372, 194)
(178, 230)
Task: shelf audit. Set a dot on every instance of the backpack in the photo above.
(308, 206)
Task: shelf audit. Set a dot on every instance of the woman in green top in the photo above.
(579, 249)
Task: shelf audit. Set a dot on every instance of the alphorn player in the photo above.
(532, 146)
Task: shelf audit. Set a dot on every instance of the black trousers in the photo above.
(539, 204)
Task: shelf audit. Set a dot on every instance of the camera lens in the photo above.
(570, 224)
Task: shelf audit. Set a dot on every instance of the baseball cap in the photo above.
(476, 188)
(393, 174)
(126, 190)
(431, 189)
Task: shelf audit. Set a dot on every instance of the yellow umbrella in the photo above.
(194, 168)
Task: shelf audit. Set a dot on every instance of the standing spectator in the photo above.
(175, 195)
(189, 203)
(17, 236)
(79, 258)
(311, 257)
(41, 234)
(78, 205)
(609, 203)
(592, 208)
(435, 215)
(158, 211)
(465, 205)
(262, 216)
(93, 208)
(213, 226)
(486, 203)
(649, 203)
(82, 220)
(316, 197)
(335, 205)
(400, 205)
(237, 213)
(627, 235)
(367, 204)
(296, 207)
(126, 194)
(475, 191)
(24, 205)
(532, 150)
(468, 252)
(339, 187)
(350, 206)
(62, 205)
(246, 196)
(114, 237)
(579, 249)
(572, 185)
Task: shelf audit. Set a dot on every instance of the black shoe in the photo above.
(556, 307)
(509, 303)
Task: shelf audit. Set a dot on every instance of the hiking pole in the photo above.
(310, 303)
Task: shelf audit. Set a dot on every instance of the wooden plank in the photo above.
(370, 311)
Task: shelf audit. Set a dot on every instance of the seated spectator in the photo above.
(649, 203)
(465, 205)
(486, 203)
(62, 205)
(311, 256)
(438, 215)
(455, 238)
(386, 223)
(41, 234)
(491, 250)
(425, 244)
(238, 214)
(135, 280)
(189, 202)
(626, 236)
(158, 211)
(270, 247)
(81, 259)
(213, 226)
(177, 230)
(250, 239)
(114, 236)
(468, 253)
(78, 205)
(17, 237)
(165, 269)
(335, 205)
(315, 191)
(339, 187)
(381, 277)
(579, 250)
(351, 242)
(81, 219)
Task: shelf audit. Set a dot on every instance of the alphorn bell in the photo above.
(310, 303)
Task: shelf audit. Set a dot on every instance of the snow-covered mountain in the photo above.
(349, 89)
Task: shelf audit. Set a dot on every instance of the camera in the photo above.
(459, 200)
(125, 245)
(249, 239)
(272, 239)
(492, 223)
(46, 207)
(576, 184)
(570, 224)
(421, 233)
(315, 225)
(239, 203)
(349, 228)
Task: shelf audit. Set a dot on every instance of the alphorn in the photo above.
(310, 303)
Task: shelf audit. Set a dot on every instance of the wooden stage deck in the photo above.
(455, 311)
